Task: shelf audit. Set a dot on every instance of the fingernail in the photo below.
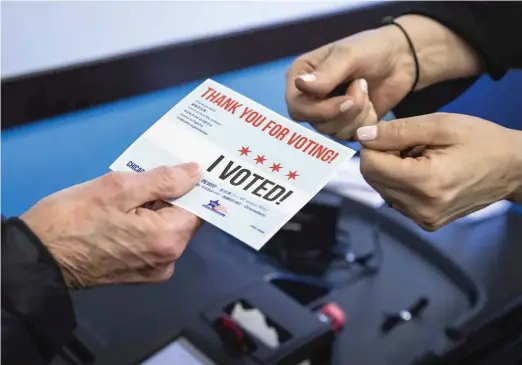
(192, 169)
(367, 133)
(308, 77)
(346, 105)
(363, 85)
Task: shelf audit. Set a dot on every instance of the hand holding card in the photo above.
(259, 168)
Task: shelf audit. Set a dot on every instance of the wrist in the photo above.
(442, 55)
(62, 255)
(65, 262)
(516, 164)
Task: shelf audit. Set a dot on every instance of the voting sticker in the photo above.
(258, 168)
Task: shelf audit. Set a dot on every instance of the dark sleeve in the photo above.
(37, 312)
(492, 28)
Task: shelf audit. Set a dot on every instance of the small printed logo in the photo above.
(217, 208)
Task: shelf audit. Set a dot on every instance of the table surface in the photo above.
(50, 155)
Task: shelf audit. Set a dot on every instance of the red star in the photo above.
(260, 159)
(244, 151)
(276, 167)
(292, 175)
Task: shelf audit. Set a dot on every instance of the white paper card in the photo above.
(259, 168)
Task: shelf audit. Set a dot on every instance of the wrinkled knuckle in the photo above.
(167, 174)
(177, 250)
(430, 190)
(168, 180)
(166, 274)
(185, 234)
(433, 189)
(167, 250)
(427, 215)
(143, 231)
(400, 132)
(117, 181)
(163, 247)
(192, 221)
(158, 248)
(441, 126)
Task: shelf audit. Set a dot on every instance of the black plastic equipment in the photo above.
(128, 324)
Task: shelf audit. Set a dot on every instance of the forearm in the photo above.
(442, 54)
(516, 162)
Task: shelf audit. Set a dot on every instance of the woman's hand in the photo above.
(380, 69)
(464, 164)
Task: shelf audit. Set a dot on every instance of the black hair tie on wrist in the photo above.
(391, 21)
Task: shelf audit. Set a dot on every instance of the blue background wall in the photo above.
(500, 102)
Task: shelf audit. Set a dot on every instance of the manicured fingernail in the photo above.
(363, 85)
(346, 105)
(308, 77)
(367, 133)
(192, 169)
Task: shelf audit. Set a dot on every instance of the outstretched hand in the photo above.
(99, 232)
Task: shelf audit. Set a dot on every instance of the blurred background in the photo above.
(38, 36)
(82, 80)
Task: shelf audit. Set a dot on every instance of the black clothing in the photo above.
(37, 312)
(492, 28)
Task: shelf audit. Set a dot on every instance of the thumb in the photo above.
(161, 183)
(400, 134)
(327, 76)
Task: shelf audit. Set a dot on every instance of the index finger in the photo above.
(391, 169)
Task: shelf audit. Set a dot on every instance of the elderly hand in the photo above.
(461, 164)
(380, 68)
(100, 233)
